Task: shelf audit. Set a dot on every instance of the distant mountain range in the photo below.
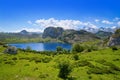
(28, 33)
(106, 29)
(69, 35)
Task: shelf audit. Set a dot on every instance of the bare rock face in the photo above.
(52, 32)
(114, 39)
(72, 36)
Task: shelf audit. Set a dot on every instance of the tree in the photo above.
(77, 48)
(65, 70)
(28, 48)
(59, 49)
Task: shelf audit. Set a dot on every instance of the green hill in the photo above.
(29, 65)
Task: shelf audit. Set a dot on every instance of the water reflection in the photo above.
(42, 46)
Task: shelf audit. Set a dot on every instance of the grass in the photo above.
(103, 64)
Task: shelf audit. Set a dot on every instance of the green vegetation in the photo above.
(117, 33)
(93, 64)
(24, 38)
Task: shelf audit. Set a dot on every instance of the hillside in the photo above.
(96, 65)
(103, 34)
(22, 36)
(72, 36)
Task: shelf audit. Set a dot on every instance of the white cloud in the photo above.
(107, 22)
(116, 19)
(29, 22)
(66, 24)
(113, 27)
(96, 20)
(90, 25)
(118, 23)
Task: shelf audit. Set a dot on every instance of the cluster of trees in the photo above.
(83, 48)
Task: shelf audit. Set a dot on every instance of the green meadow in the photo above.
(103, 64)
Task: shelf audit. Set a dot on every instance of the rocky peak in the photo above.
(115, 38)
(52, 32)
(24, 32)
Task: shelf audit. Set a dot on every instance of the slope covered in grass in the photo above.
(95, 65)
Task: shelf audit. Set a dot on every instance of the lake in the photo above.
(42, 46)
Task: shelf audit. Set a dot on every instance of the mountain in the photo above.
(23, 32)
(72, 36)
(96, 29)
(115, 38)
(52, 32)
(103, 34)
(69, 35)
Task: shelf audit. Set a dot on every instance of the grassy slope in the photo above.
(96, 65)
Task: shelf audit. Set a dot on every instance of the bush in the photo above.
(65, 70)
(77, 48)
(76, 57)
(10, 62)
(83, 63)
(59, 48)
(114, 48)
(46, 59)
(28, 48)
(98, 70)
(14, 58)
(65, 51)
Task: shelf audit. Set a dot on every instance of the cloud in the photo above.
(116, 19)
(107, 22)
(118, 23)
(113, 27)
(29, 22)
(66, 24)
(96, 20)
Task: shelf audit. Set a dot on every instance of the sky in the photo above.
(36, 15)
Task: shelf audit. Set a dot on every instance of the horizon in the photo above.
(36, 15)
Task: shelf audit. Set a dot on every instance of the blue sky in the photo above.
(35, 15)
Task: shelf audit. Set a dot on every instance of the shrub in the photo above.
(10, 62)
(43, 75)
(46, 59)
(76, 57)
(28, 48)
(98, 70)
(77, 48)
(14, 58)
(83, 63)
(114, 48)
(65, 70)
(65, 51)
(59, 48)
(37, 60)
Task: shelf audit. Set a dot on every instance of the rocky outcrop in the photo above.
(72, 36)
(103, 34)
(69, 36)
(114, 39)
(52, 32)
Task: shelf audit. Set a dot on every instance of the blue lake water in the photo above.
(42, 46)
